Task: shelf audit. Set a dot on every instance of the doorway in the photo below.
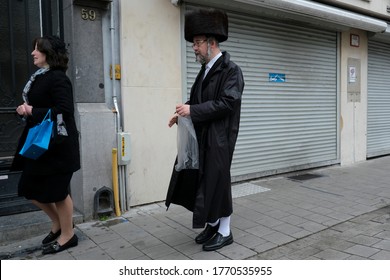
(20, 22)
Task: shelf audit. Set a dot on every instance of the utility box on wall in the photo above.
(124, 151)
(354, 80)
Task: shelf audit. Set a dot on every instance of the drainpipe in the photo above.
(121, 166)
(114, 95)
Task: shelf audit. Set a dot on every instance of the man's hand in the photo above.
(173, 120)
(183, 110)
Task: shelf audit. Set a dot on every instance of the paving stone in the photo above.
(277, 214)
(312, 226)
(331, 254)
(174, 238)
(293, 220)
(321, 219)
(273, 254)
(303, 253)
(208, 256)
(64, 255)
(287, 229)
(173, 256)
(237, 252)
(124, 253)
(355, 257)
(189, 248)
(269, 221)
(301, 212)
(383, 234)
(146, 242)
(265, 247)
(158, 251)
(242, 223)
(92, 254)
(340, 216)
(363, 251)
(384, 244)
(381, 255)
(322, 210)
(300, 234)
(250, 241)
(260, 231)
(113, 244)
(249, 214)
(364, 240)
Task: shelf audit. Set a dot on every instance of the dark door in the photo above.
(20, 22)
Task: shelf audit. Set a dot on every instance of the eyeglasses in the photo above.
(197, 43)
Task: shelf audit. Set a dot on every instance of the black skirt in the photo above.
(45, 188)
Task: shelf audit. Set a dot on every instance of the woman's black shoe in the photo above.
(51, 237)
(55, 247)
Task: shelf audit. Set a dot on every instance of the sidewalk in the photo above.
(329, 213)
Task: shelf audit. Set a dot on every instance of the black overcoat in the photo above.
(215, 112)
(52, 90)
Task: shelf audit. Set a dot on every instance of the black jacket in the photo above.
(215, 113)
(52, 90)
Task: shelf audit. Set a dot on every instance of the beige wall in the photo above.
(151, 86)
(353, 119)
(374, 7)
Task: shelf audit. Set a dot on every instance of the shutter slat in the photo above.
(378, 110)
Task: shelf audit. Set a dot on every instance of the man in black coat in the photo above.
(214, 108)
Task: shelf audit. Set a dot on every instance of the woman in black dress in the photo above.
(45, 181)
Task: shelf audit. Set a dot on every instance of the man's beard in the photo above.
(203, 59)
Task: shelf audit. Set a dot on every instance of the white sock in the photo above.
(214, 224)
(224, 226)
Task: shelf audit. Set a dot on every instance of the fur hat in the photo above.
(209, 22)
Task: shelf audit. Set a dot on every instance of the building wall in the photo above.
(95, 119)
(353, 115)
(150, 88)
(376, 8)
(151, 85)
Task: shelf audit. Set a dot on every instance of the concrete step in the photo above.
(23, 226)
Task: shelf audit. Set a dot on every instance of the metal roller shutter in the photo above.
(378, 111)
(286, 125)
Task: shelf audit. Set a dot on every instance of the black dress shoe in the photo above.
(51, 237)
(55, 247)
(217, 242)
(206, 234)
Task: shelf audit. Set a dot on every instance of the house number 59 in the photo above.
(88, 14)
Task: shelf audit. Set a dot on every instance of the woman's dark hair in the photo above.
(55, 50)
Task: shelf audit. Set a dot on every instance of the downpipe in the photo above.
(120, 174)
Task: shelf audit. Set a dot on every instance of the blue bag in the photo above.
(38, 138)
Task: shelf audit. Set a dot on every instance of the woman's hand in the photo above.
(24, 110)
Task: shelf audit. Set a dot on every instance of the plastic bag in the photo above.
(187, 145)
(38, 138)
